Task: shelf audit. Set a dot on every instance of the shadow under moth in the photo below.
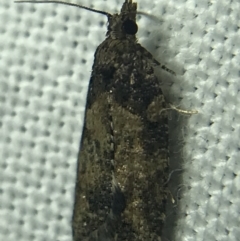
(122, 168)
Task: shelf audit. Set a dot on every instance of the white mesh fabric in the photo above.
(46, 55)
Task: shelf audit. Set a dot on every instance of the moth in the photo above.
(122, 168)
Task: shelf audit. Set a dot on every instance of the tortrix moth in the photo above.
(123, 159)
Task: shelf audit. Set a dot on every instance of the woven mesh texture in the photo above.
(46, 55)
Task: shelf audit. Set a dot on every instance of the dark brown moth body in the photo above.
(123, 159)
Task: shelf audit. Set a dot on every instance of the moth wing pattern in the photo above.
(123, 160)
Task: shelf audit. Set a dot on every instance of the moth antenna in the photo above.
(150, 16)
(69, 4)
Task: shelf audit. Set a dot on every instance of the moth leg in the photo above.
(149, 56)
(181, 111)
(164, 67)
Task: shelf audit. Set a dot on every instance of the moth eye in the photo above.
(130, 27)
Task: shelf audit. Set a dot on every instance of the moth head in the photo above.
(123, 25)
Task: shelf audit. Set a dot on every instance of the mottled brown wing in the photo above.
(140, 127)
(141, 164)
(93, 197)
